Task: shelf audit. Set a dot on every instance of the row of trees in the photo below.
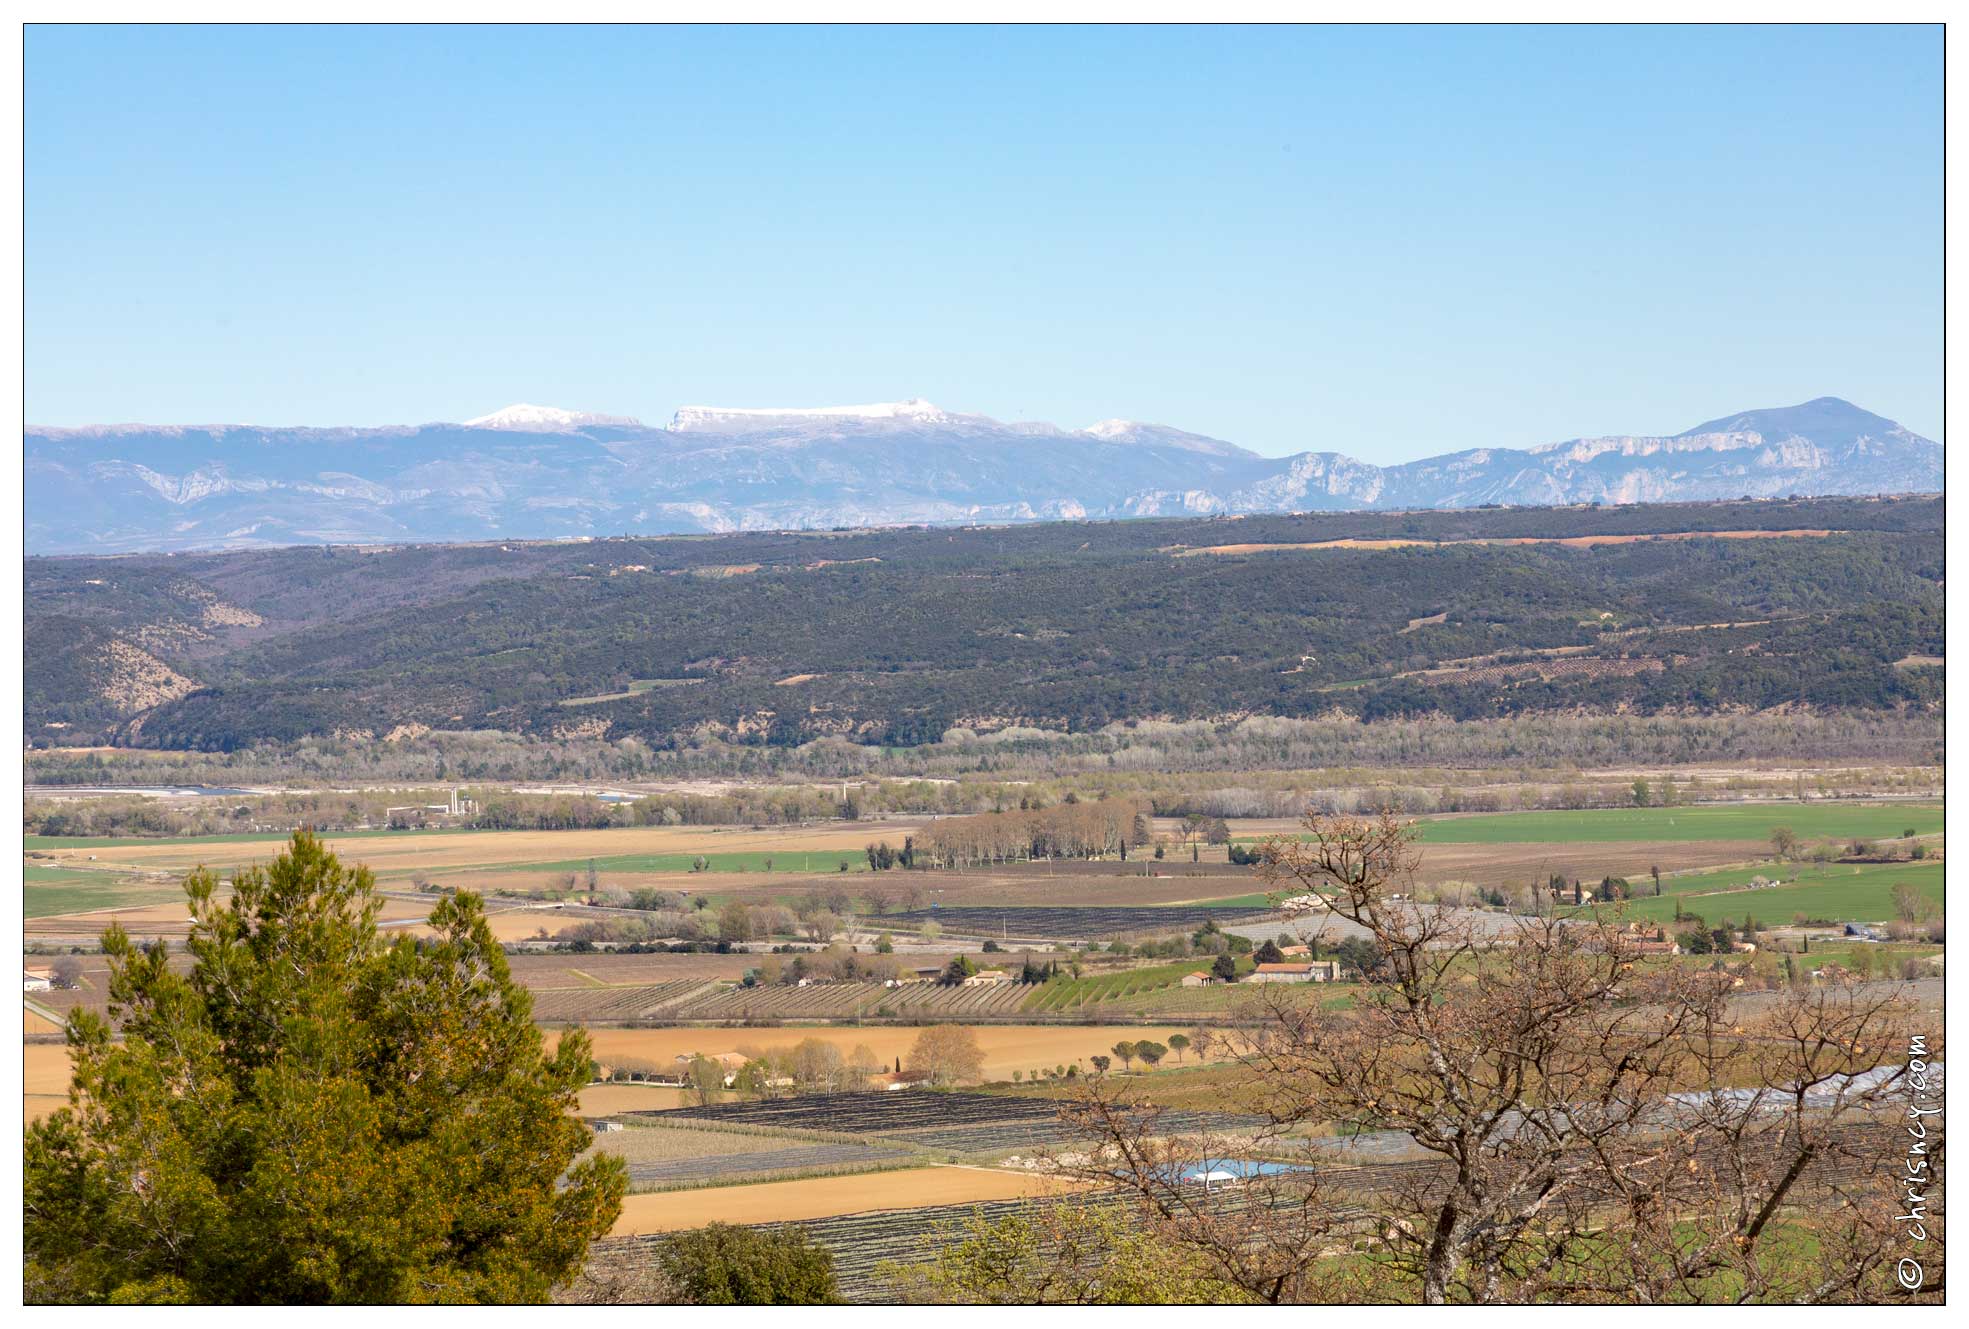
(1147, 1051)
(1418, 765)
(1099, 828)
(1413, 766)
(941, 1055)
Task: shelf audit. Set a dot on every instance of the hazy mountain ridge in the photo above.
(530, 472)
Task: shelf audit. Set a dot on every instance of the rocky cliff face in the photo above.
(531, 472)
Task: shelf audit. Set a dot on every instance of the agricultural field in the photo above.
(72, 876)
(1834, 892)
(170, 918)
(777, 861)
(1512, 849)
(1095, 991)
(480, 859)
(639, 1002)
(1128, 992)
(1218, 1001)
(1071, 923)
(845, 1000)
(820, 1001)
(824, 1197)
(868, 1236)
(1007, 1047)
(601, 1100)
(44, 1078)
(1045, 883)
(666, 1154)
(1747, 822)
(932, 1001)
(984, 1125)
(1504, 862)
(1222, 1087)
(602, 969)
(48, 891)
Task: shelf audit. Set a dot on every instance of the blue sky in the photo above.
(1385, 241)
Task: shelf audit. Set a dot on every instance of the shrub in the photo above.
(726, 1265)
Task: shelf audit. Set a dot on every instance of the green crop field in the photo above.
(267, 837)
(49, 891)
(1066, 994)
(1748, 822)
(1255, 900)
(1753, 821)
(1861, 892)
(1181, 1003)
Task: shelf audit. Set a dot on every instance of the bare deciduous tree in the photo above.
(1594, 1123)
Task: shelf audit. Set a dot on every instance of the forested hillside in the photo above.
(895, 636)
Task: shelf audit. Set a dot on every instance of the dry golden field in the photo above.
(44, 1078)
(823, 1197)
(600, 1100)
(1007, 1048)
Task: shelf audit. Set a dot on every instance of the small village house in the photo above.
(1304, 971)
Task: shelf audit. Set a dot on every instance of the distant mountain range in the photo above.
(533, 472)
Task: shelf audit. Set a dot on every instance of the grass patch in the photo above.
(260, 837)
(49, 891)
(1856, 892)
(1066, 994)
(1867, 821)
(1181, 1003)
(1224, 1087)
(1255, 900)
(1754, 822)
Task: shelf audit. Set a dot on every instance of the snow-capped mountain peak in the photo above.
(531, 472)
(717, 417)
(1139, 432)
(525, 415)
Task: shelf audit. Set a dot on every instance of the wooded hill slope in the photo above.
(894, 636)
